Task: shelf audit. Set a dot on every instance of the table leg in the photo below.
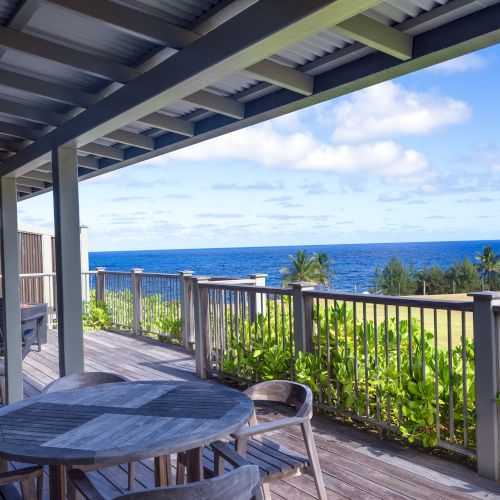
(163, 471)
(194, 465)
(57, 482)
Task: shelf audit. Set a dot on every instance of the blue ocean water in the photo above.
(355, 264)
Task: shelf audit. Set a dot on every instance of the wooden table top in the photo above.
(121, 422)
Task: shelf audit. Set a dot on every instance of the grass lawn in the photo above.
(442, 318)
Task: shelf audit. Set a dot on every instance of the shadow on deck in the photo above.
(355, 464)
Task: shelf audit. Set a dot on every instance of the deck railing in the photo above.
(423, 368)
(416, 367)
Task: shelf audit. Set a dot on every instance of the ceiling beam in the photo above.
(23, 189)
(39, 176)
(282, 76)
(132, 21)
(159, 31)
(132, 139)
(83, 61)
(59, 93)
(32, 183)
(216, 103)
(169, 123)
(20, 131)
(23, 12)
(30, 113)
(10, 145)
(87, 162)
(104, 151)
(366, 30)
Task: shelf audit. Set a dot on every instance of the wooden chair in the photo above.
(274, 460)
(26, 477)
(242, 483)
(79, 381)
(29, 337)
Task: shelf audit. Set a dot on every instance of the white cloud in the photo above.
(469, 62)
(301, 151)
(390, 110)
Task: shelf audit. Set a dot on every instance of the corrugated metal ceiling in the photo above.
(65, 27)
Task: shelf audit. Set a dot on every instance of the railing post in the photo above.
(187, 311)
(202, 332)
(136, 285)
(256, 300)
(47, 270)
(99, 284)
(486, 362)
(84, 249)
(302, 317)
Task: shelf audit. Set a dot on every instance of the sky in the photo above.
(413, 159)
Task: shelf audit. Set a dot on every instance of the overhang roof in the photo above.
(127, 80)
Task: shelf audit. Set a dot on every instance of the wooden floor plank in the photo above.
(355, 465)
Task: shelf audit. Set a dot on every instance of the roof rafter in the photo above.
(59, 93)
(20, 131)
(168, 123)
(132, 139)
(160, 31)
(104, 151)
(88, 63)
(366, 30)
(31, 113)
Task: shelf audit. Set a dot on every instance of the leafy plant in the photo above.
(96, 315)
(362, 369)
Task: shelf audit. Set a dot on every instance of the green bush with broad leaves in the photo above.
(96, 315)
(361, 370)
(160, 318)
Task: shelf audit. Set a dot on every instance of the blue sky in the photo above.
(415, 159)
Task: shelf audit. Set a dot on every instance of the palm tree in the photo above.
(315, 269)
(489, 263)
(325, 271)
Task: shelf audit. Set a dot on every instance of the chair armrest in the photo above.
(35, 317)
(228, 453)
(14, 476)
(252, 430)
(84, 486)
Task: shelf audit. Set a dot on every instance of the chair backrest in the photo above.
(284, 391)
(86, 379)
(242, 483)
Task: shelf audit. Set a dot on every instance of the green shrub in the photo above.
(407, 392)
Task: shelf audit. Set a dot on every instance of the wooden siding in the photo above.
(355, 464)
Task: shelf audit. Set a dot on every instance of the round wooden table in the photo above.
(119, 423)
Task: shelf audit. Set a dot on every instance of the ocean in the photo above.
(355, 264)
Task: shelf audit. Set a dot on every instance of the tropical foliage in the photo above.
(489, 266)
(317, 268)
(363, 370)
(160, 318)
(461, 277)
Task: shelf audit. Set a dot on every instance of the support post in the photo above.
(84, 249)
(68, 260)
(302, 317)
(256, 301)
(486, 363)
(10, 287)
(136, 284)
(187, 310)
(99, 284)
(47, 270)
(202, 332)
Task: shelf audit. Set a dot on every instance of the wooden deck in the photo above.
(355, 464)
